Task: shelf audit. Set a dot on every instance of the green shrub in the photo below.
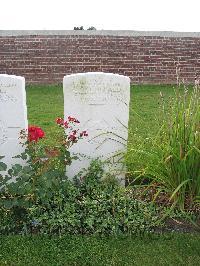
(86, 206)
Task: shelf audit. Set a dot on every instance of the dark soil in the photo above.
(179, 225)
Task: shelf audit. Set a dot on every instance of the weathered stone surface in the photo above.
(13, 116)
(101, 102)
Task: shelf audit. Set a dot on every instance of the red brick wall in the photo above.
(151, 59)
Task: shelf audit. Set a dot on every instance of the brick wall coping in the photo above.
(130, 33)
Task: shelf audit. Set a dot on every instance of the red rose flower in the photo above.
(59, 121)
(84, 133)
(72, 119)
(35, 133)
(66, 125)
(72, 138)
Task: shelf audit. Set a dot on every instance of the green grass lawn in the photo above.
(45, 103)
(161, 250)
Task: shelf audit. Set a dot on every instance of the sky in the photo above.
(147, 15)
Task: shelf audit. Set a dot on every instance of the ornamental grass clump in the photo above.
(173, 162)
(180, 141)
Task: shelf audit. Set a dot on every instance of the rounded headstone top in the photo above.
(90, 74)
(12, 77)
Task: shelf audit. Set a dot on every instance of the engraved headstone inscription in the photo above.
(100, 101)
(13, 117)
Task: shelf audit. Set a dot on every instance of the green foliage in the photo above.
(51, 204)
(82, 28)
(91, 28)
(23, 186)
(171, 158)
(79, 28)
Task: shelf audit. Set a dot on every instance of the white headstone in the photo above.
(13, 116)
(100, 101)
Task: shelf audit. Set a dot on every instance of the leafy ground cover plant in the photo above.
(86, 206)
(93, 206)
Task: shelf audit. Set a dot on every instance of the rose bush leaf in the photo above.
(3, 166)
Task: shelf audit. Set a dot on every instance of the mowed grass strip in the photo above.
(45, 103)
(177, 249)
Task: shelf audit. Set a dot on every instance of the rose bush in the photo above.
(44, 169)
(44, 201)
(73, 135)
